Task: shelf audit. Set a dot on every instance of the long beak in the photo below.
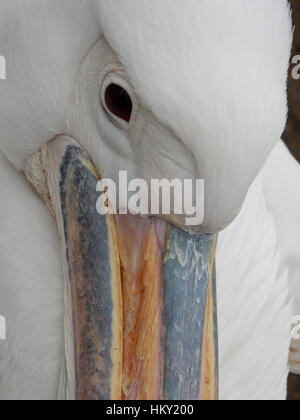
(140, 294)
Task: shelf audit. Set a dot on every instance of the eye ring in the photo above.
(118, 102)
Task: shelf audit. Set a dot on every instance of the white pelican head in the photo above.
(162, 89)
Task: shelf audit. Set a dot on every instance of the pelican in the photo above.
(125, 307)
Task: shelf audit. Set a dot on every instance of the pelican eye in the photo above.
(118, 102)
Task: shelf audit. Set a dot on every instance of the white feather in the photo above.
(31, 292)
(43, 43)
(282, 192)
(254, 310)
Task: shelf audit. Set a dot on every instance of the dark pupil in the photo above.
(118, 102)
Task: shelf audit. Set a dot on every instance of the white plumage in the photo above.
(242, 115)
(256, 288)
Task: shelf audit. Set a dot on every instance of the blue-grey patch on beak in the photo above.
(90, 263)
(188, 273)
